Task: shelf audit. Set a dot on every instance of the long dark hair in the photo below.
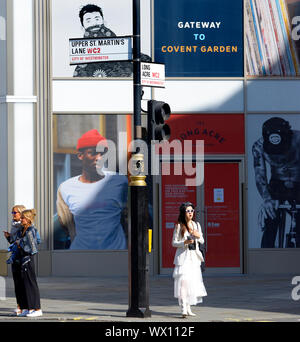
(181, 217)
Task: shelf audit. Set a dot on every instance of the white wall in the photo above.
(17, 107)
(208, 96)
(23, 99)
(3, 126)
(24, 155)
(277, 95)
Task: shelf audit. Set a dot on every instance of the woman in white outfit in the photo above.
(188, 282)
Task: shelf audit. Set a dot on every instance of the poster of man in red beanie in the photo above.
(90, 205)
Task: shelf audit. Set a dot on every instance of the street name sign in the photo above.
(95, 50)
(153, 75)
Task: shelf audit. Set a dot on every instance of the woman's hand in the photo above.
(188, 241)
(6, 234)
(196, 234)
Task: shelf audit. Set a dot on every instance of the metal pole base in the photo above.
(147, 313)
(135, 312)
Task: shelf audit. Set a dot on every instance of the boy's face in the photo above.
(92, 20)
(89, 158)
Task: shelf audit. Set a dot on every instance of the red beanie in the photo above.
(91, 139)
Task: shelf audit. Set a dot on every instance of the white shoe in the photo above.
(183, 309)
(24, 313)
(189, 311)
(35, 313)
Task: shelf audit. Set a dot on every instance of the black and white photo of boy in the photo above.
(90, 19)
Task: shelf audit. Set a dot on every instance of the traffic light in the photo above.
(158, 113)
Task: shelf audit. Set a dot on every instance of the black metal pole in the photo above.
(133, 250)
(136, 51)
(138, 272)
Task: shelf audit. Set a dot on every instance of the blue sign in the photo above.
(199, 38)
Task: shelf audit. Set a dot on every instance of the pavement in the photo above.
(231, 298)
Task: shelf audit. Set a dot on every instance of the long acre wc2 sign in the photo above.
(153, 75)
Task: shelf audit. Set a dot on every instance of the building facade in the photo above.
(232, 81)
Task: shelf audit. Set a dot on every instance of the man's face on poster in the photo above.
(92, 21)
(89, 157)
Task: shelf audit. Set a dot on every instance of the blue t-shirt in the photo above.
(96, 208)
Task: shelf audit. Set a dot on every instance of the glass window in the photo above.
(89, 183)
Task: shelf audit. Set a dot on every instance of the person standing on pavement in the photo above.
(11, 237)
(27, 292)
(188, 283)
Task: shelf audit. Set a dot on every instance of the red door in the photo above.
(221, 226)
(221, 192)
(174, 193)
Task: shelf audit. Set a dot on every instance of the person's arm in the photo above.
(198, 234)
(260, 171)
(261, 180)
(7, 236)
(177, 240)
(12, 235)
(65, 216)
(28, 242)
